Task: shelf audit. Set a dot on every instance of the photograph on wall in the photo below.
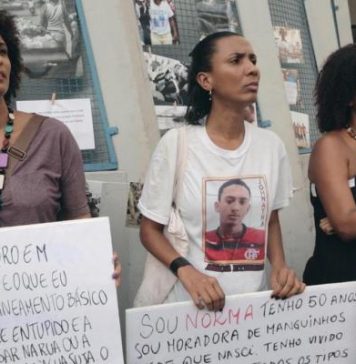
(157, 22)
(291, 85)
(76, 114)
(301, 129)
(216, 15)
(289, 43)
(168, 78)
(234, 221)
(133, 215)
(50, 37)
(169, 116)
(94, 192)
(167, 66)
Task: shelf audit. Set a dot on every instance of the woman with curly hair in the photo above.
(46, 182)
(332, 171)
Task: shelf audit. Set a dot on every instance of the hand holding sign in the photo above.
(316, 327)
(204, 290)
(285, 283)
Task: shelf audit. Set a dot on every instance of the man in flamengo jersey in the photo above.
(233, 246)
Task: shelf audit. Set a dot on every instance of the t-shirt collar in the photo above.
(236, 153)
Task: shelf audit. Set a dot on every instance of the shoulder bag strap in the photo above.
(17, 152)
(180, 163)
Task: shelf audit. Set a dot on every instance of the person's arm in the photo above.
(71, 185)
(329, 170)
(85, 215)
(204, 290)
(82, 212)
(284, 282)
(66, 18)
(174, 29)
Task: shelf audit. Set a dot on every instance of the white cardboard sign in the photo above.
(58, 302)
(316, 327)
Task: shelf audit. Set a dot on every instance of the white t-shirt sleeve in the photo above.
(284, 188)
(157, 194)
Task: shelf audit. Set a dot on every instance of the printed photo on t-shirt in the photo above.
(234, 223)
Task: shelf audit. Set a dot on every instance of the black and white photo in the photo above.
(50, 37)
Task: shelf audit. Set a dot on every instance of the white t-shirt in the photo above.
(160, 15)
(260, 162)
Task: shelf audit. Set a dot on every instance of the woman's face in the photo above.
(234, 76)
(5, 68)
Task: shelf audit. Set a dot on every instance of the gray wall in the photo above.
(352, 7)
(343, 21)
(116, 47)
(324, 27)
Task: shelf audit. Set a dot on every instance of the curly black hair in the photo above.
(335, 89)
(199, 102)
(10, 35)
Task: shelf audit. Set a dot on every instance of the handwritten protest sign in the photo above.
(314, 328)
(58, 301)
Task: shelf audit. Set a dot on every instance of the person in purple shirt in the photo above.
(48, 183)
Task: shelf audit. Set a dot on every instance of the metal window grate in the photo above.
(75, 77)
(292, 14)
(189, 32)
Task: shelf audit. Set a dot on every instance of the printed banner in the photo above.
(74, 113)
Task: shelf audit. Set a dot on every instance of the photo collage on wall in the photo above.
(168, 30)
(290, 53)
(58, 66)
(50, 37)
